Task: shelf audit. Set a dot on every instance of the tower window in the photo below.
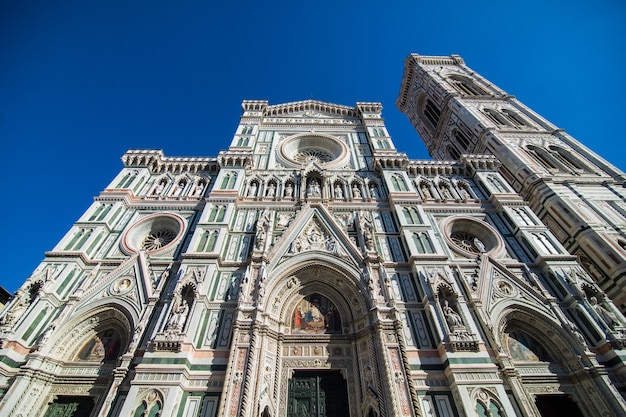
(466, 87)
(432, 113)
(515, 118)
(462, 140)
(495, 117)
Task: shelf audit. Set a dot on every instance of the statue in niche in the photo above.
(338, 192)
(314, 189)
(178, 316)
(607, 316)
(262, 228)
(179, 188)
(271, 190)
(45, 336)
(452, 317)
(289, 190)
(356, 193)
(159, 188)
(445, 192)
(252, 190)
(426, 190)
(368, 234)
(20, 303)
(315, 314)
(374, 192)
(198, 189)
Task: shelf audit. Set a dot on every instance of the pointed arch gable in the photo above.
(557, 343)
(71, 337)
(311, 275)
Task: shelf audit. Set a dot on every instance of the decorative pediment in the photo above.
(131, 284)
(315, 229)
(497, 287)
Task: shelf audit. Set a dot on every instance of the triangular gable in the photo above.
(130, 283)
(496, 283)
(315, 229)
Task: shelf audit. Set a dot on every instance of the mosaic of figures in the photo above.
(316, 314)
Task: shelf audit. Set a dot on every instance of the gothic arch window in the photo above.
(398, 183)
(495, 117)
(228, 183)
(543, 157)
(382, 144)
(208, 240)
(461, 140)
(411, 215)
(488, 408)
(567, 158)
(150, 406)
(243, 142)
(315, 314)
(217, 214)
(432, 113)
(79, 239)
(453, 152)
(422, 242)
(465, 86)
(515, 119)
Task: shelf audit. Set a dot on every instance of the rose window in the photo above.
(157, 239)
(153, 233)
(313, 155)
(467, 242)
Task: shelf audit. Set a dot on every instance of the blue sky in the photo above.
(83, 81)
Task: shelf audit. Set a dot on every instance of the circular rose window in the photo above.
(153, 234)
(306, 148)
(471, 237)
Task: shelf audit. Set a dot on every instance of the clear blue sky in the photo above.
(83, 81)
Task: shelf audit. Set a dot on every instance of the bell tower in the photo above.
(578, 195)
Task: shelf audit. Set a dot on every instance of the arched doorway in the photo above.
(312, 344)
(317, 394)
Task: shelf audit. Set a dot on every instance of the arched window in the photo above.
(465, 86)
(422, 242)
(495, 117)
(567, 158)
(207, 241)
(462, 140)
(453, 152)
(515, 118)
(432, 113)
(217, 213)
(411, 215)
(543, 157)
(229, 180)
(398, 183)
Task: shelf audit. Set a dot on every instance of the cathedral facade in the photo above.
(312, 269)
